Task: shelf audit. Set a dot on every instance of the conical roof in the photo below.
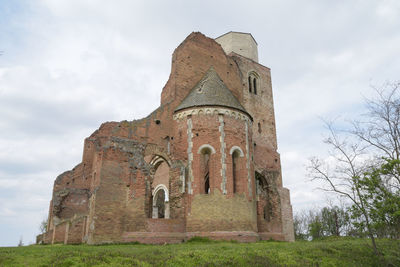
(210, 91)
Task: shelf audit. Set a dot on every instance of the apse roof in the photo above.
(211, 91)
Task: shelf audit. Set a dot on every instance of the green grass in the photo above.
(203, 252)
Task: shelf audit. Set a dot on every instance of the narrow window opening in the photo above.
(259, 128)
(255, 85)
(205, 154)
(235, 158)
(266, 213)
(207, 184)
(249, 84)
(150, 207)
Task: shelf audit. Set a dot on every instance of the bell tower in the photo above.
(240, 43)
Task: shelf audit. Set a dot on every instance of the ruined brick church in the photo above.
(205, 163)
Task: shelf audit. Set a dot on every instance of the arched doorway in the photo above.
(160, 202)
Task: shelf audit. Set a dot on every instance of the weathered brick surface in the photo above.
(59, 233)
(76, 231)
(215, 212)
(109, 196)
(162, 225)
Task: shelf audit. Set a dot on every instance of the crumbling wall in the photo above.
(287, 215)
(269, 215)
(123, 197)
(70, 200)
(121, 161)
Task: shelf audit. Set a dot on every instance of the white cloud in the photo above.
(389, 10)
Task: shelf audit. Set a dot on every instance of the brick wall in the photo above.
(76, 231)
(165, 225)
(287, 215)
(217, 212)
(59, 233)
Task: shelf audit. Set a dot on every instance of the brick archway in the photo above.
(160, 202)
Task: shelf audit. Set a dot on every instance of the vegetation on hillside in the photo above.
(202, 252)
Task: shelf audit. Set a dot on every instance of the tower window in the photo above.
(259, 128)
(252, 79)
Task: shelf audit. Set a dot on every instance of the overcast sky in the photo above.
(66, 66)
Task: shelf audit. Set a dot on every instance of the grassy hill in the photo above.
(201, 252)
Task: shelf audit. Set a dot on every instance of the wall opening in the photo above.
(158, 188)
(235, 160)
(253, 80)
(262, 189)
(205, 169)
(207, 184)
(250, 84)
(160, 204)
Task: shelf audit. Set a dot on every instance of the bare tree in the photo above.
(43, 226)
(300, 223)
(364, 161)
(380, 129)
(341, 174)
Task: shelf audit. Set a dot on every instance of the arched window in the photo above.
(235, 159)
(236, 152)
(253, 80)
(250, 85)
(205, 166)
(205, 181)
